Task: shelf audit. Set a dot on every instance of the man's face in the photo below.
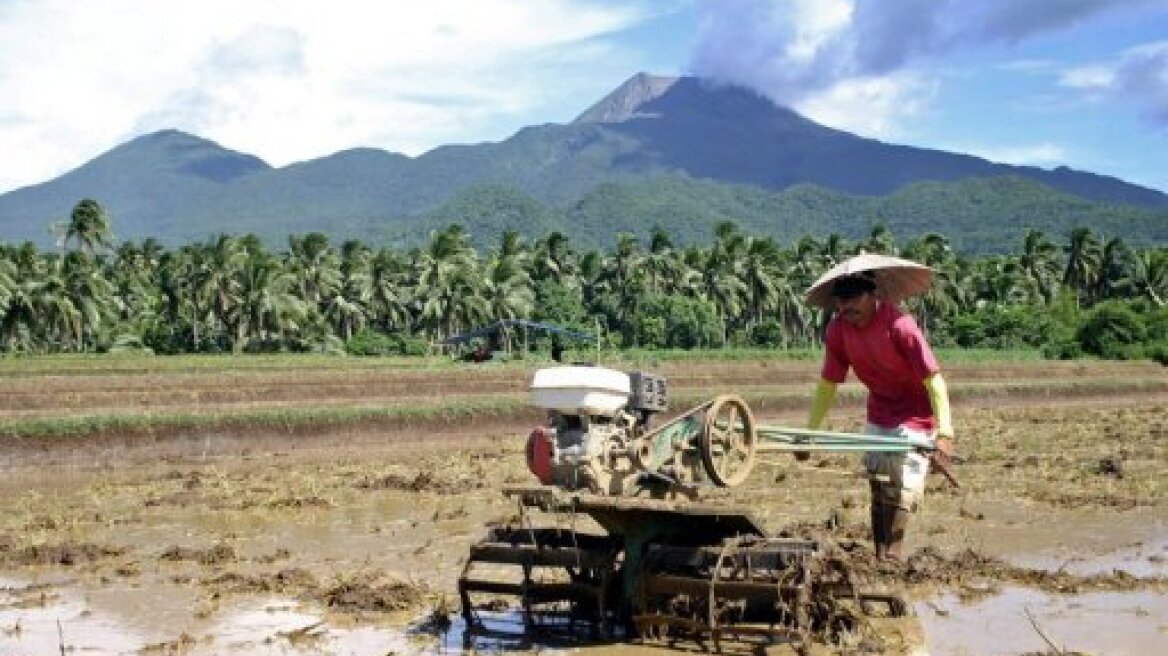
(857, 310)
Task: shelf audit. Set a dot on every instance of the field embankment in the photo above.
(124, 397)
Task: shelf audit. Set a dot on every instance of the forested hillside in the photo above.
(978, 215)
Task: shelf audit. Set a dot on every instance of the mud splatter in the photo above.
(66, 554)
(370, 592)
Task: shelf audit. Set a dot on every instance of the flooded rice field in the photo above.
(350, 541)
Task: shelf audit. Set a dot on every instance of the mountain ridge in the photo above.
(179, 187)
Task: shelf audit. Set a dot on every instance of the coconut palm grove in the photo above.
(1069, 295)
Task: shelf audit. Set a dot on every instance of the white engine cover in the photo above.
(581, 390)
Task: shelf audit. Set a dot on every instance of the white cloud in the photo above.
(1137, 77)
(879, 107)
(1039, 154)
(815, 23)
(285, 80)
(1143, 78)
(1087, 77)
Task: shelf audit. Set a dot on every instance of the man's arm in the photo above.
(939, 398)
(821, 402)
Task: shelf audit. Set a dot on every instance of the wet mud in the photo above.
(350, 540)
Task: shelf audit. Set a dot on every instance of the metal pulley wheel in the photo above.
(728, 441)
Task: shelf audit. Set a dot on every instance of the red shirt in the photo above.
(891, 357)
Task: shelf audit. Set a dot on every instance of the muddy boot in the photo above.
(879, 541)
(877, 515)
(897, 524)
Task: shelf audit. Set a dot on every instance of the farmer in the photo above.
(906, 397)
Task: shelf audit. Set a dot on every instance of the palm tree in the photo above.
(1039, 256)
(90, 294)
(217, 280)
(446, 277)
(134, 275)
(1150, 275)
(944, 296)
(999, 280)
(389, 298)
(880, 240)
(59, 323)
(89, 226)
(507, 290)
(511, 246)
(1114, 278)
(664, 272)
(555, 260)
(760, 270)
(266, 304)
(1082, 270)
(625, 278)
(723, 280)
(316, 266)
(803, 269)
(835, 249)
(7, 279)
(592, 284)
(21, 316)
(25, 305)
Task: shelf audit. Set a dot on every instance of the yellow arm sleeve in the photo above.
(821, 403)
(939, 398)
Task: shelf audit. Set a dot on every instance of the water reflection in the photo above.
(1131, 623)
(40, 618)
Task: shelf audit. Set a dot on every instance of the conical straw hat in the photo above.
(896, 278)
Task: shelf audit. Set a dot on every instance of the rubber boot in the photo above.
(897, 526)
(877, 515)
(879, 543)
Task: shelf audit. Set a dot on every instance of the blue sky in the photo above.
(1081, 83)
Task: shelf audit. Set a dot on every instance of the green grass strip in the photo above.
(287, 419)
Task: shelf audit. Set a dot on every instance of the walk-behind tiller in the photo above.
(624, 546)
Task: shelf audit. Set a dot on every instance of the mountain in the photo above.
(146, 183)
(733, 134)
(677, 152)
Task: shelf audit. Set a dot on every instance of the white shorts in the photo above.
(905, 471)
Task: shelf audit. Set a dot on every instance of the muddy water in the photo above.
(1010, 622)
(130, 622)
(1016, 621)
(40, 615)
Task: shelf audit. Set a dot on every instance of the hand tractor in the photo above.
(615, 539)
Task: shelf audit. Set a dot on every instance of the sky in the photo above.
(1080, 83)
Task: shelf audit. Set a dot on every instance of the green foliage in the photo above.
(556, 304)
(234, 295)
(767, 333)
(1003, 327)
(1158, 351)
(1113, 330)
(677, 322)
(1156, 321)
(373, 343)
(412, 345)
(489, 210)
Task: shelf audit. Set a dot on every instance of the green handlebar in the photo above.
(782, 438)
